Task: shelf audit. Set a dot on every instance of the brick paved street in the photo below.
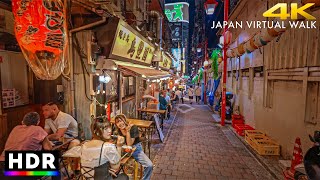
(196, 148)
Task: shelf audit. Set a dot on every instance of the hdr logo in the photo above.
(31, 163)
(295, 10)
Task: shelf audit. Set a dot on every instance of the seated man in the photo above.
(59, 124)
(28, 136)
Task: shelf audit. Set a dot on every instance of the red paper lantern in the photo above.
(210, 6)
(40, 29)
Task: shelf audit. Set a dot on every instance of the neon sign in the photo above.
(177, 12)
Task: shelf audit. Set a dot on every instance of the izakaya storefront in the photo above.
(127, 60)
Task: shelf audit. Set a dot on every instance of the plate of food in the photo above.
(127, 149)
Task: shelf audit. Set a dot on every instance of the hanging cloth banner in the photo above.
(40, 29)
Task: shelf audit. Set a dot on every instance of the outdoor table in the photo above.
(63, 147)
(153, 111)
(146, 125)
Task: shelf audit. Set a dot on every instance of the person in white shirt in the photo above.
(59, 124)
(99, 151)
(179, 94)
(198, 94)
(190, 94)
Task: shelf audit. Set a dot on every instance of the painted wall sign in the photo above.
(166, 61)
(40, 29)
(128, 45)
(177, 12)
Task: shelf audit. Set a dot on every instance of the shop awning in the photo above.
(144, 71)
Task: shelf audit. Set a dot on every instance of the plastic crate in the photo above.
(234, 122)
(252, 141)
(240, 128)
(267, 147)
(237, 117)
(253, 133)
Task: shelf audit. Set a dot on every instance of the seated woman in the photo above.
(131, 134)
(98, 153)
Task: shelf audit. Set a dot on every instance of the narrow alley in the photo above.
(197, 148)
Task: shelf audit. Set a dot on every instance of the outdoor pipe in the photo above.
(72, 90)
(159, 17)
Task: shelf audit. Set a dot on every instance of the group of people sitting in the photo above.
(100, 157)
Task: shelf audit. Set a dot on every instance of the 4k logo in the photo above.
(295, 10)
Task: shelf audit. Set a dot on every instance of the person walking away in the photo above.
(190, 94)
(168, 103)
(131, 134)
(198, 94)
(179, 94)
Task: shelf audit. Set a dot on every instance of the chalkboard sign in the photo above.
(157, 121)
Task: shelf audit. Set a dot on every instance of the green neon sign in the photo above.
(177, 12)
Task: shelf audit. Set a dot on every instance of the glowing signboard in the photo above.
(177, 12)
(177, 54)
(166, 62)
(129, 46)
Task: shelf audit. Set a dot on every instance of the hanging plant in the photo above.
(201, 74)
(214, 61)
(195, 79)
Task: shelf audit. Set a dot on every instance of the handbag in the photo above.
(102, 171)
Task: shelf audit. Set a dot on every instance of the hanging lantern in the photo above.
(228, 36)
(248, 48)
(205, 63)
(40, 30)
(199, 48)
(230, 53)
(220, 60)
(317, 2)
(210, 6)
(241, 49)
(258, 42)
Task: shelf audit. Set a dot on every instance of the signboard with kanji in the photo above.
(128, 45)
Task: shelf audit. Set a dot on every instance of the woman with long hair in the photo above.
(100, 157)
(131, 134)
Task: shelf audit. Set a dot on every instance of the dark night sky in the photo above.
(210, 33)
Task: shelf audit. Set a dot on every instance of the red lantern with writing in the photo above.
(40, 29)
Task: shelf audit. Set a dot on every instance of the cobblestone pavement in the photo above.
(196, 148)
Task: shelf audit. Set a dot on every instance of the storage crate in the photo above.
(253, 133)
(237, 117)
(262, 143)
(240, 128)
(253, 141)
(267, 147)
(234, 122)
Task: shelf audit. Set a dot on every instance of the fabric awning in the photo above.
(144, 71)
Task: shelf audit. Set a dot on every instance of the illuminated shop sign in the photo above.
(166, 62)
(129, 46)
(177, 12)
(177, 54)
